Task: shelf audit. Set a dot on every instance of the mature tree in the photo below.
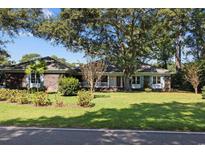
(67, 28)
(92, 72)
(196, 34)
(127, 33)
(121, 35)
(30, 56)
(163, 49)
(14, 21)
(4, 58)
(192, 74)
(37, 68)
(63, 60)
(174, 23)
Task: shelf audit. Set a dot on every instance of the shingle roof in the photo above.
(57, 66)
(51, 64)
(142, 68)
(149, 68)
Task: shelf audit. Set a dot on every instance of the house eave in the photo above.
(136, 73)
(46, 72)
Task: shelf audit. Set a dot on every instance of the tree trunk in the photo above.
(178, 57)
(196, 90)
(165, 64)
(91, 87)
(127, 86)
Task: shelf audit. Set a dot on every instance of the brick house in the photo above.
(14, 76)
(146, 76)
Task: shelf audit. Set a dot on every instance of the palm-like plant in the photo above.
(38, 68)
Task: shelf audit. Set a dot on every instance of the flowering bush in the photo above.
(85, 98)
(41, 99)
(19, 96)
(4, 94)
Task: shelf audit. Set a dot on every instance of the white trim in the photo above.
(108, 81)
(35, 85)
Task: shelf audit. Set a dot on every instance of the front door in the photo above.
(146, 81)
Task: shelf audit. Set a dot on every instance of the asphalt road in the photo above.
(61, 136)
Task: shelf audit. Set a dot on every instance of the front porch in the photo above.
(137, 82)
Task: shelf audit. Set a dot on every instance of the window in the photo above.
(136, 80)
(38, 80)
(156, 80)
(104, 79)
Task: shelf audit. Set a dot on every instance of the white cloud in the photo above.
(47, 13)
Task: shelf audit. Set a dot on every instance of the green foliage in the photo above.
(68, 86)
(4, 57)
(13, 21)
(38, 67)
(203, 92)
(14, 96)
(58, 100)
(41, 99)
(85, 98)
(147, 89)
(19, 96)
(4, 94)
(192, 74)
(33, 89)
(24, 97)
(30, 56)
(195, 38)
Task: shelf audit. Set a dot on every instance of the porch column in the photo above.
(108, 81)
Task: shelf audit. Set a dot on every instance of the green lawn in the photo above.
(137, 110)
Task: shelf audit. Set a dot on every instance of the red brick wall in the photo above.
(51, 82)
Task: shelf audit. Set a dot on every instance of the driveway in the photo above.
(61, 136)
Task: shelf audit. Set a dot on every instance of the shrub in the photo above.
(147, 89)
(19, 96)
(4, 94)
(41, 99)
(24, 97)
(203, 92)
(58, 100)
(68, 86)
(85, 98)
(41, 89)
(14, 96)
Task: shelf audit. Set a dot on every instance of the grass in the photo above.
(137, 110)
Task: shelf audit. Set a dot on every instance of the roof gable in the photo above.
(51, 64)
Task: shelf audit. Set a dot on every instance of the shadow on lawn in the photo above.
(149, 116)
(101, 96)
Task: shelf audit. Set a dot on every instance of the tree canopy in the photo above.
(30, 56)
(129, 37)
(15, 21)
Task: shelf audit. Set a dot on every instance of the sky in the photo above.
(26, 43)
